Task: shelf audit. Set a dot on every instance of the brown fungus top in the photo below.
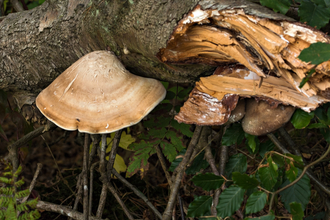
(97, 94)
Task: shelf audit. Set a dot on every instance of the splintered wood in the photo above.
(267, 48)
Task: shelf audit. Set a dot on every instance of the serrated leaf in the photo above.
(244, 181)
(230, 201)
(279, 160)
(299, 192)
(169, 150)
(316, 53)
(256, 202)
(296, 211)
(268, 175)
(237, 162)
(301, 119)
(266, 147)
(234, 134)
(252, 141)
(183, 128)
(176, 141)
(265, 217)
(315, 15)
(281, 6)
(208, 181)
(200, 206)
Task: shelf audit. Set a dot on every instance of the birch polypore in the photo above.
(97, 94)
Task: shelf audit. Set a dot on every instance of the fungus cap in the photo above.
(97, 94)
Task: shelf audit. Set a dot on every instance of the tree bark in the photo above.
(37, 45)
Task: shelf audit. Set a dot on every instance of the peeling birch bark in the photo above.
(229, 35)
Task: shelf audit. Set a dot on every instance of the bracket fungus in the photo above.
(97, 94)
(256, 51)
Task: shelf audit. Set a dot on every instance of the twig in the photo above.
(296, 180)
(33, 183)
(79, 193)
(51, 207)
(85, 176)
(180, 171)
(113, 153)
(137, 192)
(163, 164)
(96, 140)
(309, 172)
(17, 6)
(91, 179)
(12, 149)
(181, 206)
(103, 195)
(57, 167)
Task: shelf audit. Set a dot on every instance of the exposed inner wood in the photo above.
(267, 48)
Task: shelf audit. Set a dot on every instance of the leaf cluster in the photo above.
(10, 195)
(274, 172)
(163, 132)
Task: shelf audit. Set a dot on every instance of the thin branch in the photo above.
(79, 193)
(137, 192)
(12, 149)
(103, 195)
(180, 171)
(309, 172)
(33, 183)
(17, 6)
(163, 164)
(296, 180)
(85, 176)
(113, 152)
(96, 140)
(63, 210)
(91, 180)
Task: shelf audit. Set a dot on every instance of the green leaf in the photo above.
(301, 119)
(230, 201)
(234, 134)
(266, 147)
(296, 158)
(292, 172)
(244, 181)
(170, 95)
(176, 141)
(200, 206)
(315, 15)
(326, 134)
(316, 53)
(296, 211)
(252, 141)
(265, 217)
(299, 192)
(169, 150)
(281, 6)
(305, 79)
(183, 128)
(198, 164)
(177, 160)
(317, 125)
(256, 202)
(208, 181)
(268, 175)
(237, 162)
(318, 216)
